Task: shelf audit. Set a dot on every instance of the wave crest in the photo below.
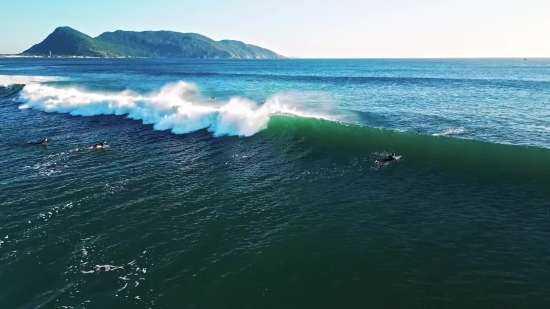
(177, 107)
(6, 80)
(452, 131)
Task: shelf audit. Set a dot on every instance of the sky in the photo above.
(305, 28)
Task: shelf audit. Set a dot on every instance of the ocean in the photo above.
(255, 183)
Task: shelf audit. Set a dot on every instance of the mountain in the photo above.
(69, 42)
(243, 50)
(66, 41)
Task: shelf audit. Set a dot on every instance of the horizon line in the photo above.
(324, 58)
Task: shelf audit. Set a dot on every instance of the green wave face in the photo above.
(482, 160)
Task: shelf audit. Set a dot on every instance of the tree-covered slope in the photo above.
(166, 44)
(70, 42)
(242, 50)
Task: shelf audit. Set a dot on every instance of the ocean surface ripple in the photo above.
(254, 184)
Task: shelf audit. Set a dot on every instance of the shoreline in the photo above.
(64, 57)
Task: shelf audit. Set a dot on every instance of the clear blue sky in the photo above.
(305, 28)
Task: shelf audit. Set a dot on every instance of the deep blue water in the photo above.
(254, 183)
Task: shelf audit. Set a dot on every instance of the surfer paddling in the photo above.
(391, 157)
(100, 145)
(43, 142)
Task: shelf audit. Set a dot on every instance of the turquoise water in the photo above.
(252, 184)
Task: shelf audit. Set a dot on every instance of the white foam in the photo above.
(452, 131)
(6, 80)
(177, 107)
(107, 267)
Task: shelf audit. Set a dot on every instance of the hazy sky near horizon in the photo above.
(304, 28)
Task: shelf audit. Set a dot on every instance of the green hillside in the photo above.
(242, 50)
(65, 41)
(69, 42)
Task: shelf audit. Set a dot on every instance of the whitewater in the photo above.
(178, 107)
(6, 80)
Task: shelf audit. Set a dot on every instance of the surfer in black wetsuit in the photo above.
(390, 158)
(43, 142)
(101, 145)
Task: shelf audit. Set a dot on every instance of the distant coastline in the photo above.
(67, 42)
(61, 56)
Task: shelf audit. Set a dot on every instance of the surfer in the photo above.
(101, 145)
(43, 142)
(391, 157)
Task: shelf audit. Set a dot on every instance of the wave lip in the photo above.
(452, 131)
(177, 107)
(6, 80)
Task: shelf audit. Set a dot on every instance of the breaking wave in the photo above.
(178, 107)
(6, 80)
